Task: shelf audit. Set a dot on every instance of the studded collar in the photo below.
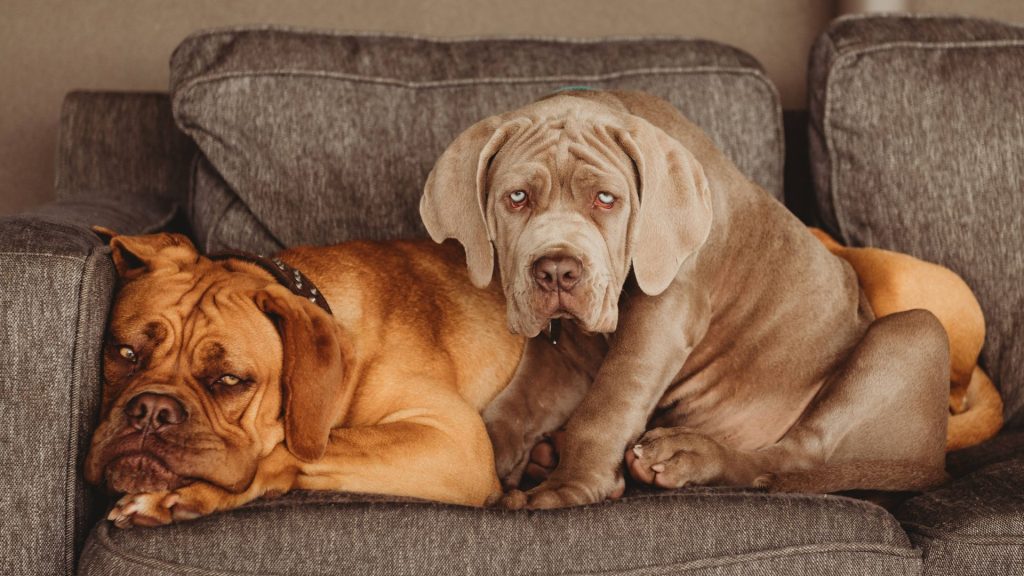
(287, 276)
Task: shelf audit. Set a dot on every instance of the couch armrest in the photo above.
(56, 283)
(115, 145)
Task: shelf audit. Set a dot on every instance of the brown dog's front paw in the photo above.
(143, 509)
(152, 509)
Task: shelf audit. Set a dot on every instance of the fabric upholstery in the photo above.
(660, 533)
(121, 164)
(120, 145)
(327, 137)
(917, 145)
(974, 525)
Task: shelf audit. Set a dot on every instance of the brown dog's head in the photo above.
(570, 192)
(207, 367)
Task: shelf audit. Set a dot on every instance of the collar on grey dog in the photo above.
(287, 276)
(579, 88)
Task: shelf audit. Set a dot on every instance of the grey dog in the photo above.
(735, 349)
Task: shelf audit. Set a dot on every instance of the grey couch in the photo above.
(275, 137)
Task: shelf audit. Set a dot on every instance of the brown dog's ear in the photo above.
(135, 255)
(674, 218)
(454, 202)
(312, 375)
(105, 234)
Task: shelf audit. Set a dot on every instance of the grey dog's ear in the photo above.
(675, 205)
(454, 201)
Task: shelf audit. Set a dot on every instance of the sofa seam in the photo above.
(44, 255)
(205, 78)
(844, 59)
(71, 465)
(326, 33)
(974, 540)
(859, 505)
(882, 550)
(943, 18)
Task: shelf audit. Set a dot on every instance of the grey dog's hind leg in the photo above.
(879, 423)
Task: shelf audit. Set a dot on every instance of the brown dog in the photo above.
(741, 352)
(222, 385)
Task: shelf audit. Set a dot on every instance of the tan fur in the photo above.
(895, 282)
(383, 396)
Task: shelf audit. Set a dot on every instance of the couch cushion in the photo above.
(917, 145)
(974, 525)
(326, 137)
(696, 531)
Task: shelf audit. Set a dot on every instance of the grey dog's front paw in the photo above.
(677, 457)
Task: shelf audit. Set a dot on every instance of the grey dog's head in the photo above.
(570, 192)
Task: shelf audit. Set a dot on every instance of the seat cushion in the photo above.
(694, 532)
(320, 138)
(975, 524)
(917, 145)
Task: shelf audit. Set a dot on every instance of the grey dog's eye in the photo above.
(605, 199)
(127, 353)
(518, 197)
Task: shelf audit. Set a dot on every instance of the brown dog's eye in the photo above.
(604, 200)
(518, 198)
(127, 353)
(228, 380)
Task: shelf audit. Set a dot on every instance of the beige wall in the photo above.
(49, 47)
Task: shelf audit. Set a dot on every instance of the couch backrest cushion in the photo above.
(320, 137)
(917, 145)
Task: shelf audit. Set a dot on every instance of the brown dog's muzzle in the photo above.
(155, 412)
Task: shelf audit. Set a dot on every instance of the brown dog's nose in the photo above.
(155, 411)
(557, 272)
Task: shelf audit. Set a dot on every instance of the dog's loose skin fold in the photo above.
(740, 351)
(252, 390)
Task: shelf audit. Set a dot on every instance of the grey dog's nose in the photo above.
(557, 272)
(155, 411)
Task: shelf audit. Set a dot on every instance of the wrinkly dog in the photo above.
(739, 350)
(231, 378)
